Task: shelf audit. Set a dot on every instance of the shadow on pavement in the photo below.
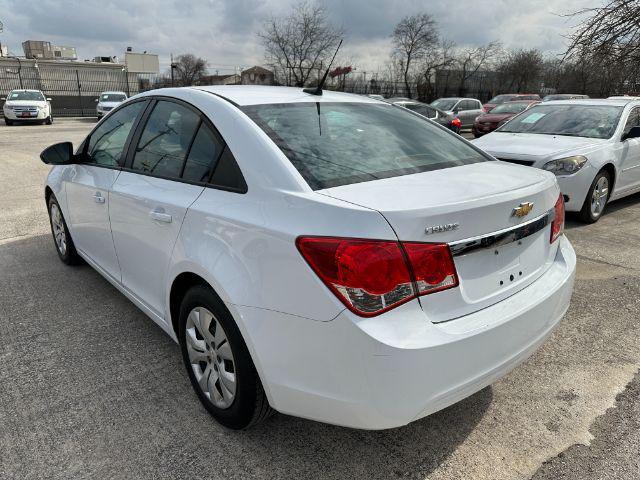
(91, 387)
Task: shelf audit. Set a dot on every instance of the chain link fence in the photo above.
(72, 86)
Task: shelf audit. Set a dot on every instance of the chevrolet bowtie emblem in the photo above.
(522, 210)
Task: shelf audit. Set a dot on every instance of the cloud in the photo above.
(224, 31)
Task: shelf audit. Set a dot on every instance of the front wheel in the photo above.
(49, 120)
(8, 122)
(597, 198)
(218, 362)
(61, 237)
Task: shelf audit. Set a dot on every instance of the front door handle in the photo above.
(98, 198)
(160, 216)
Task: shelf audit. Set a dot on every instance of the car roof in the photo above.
(257, 94)
(614, 102)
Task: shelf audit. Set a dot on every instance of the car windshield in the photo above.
(422, 109)
(591, 121)
(112, 97)
(334, 144)
(501, 99)
(32, 96)
(509, 107)
(444, 103)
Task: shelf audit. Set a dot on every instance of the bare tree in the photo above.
(521, 70)
(413, 37)
(439, 58)
(188, 69)
(298, 44)
(473, 59)
(612, 30)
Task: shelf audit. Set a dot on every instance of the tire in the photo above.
(239, 402)
(597, 198)
(61, 237)
(8, 122)
(49, 120)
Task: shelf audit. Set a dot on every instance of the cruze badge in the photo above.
(447, 227)
(522, 210)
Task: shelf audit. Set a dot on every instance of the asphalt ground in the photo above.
(91, 388)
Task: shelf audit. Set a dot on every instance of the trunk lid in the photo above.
(480, 200)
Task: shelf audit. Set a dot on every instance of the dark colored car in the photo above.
(488, 122)
(445, 119)
(509, 97)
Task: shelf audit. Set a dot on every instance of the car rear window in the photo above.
(333, 144)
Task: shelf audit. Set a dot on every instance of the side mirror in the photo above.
(48, 99)
(633, 133)
(58, 154)
(97, 100)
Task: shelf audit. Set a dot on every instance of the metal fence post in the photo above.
(79, 93)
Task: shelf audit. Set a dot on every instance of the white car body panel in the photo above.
(315, 358)
(623, 156)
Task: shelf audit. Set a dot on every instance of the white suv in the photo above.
(107, 101)
(329, 256)
(27, 105)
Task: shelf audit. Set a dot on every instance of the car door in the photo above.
(168, 165)
(464, 113)
(629, 176)
(90, 182)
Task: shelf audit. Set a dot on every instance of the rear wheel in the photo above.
(597, 198)
(61, 237)
(218, 361)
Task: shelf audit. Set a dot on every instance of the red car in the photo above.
(488, 122)
(509, 97)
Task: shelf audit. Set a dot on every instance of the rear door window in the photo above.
(165, 141)
(334, 144)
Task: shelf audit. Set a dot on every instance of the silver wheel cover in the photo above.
(599, 196)
(211, 357)
(59, 233)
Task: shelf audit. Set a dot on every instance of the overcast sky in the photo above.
(224, 31)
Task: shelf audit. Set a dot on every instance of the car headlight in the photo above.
(566, 166)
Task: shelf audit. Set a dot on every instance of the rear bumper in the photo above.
(389, 370)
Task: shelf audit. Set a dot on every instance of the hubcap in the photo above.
(211, 357)
(58, 229)
(599, 196)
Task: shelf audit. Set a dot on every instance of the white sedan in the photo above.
(107, 101)
(593, 147)
(328, 256)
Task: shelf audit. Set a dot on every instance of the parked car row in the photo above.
(329, 256)
(592, 146)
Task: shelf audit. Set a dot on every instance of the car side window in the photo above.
(107, 142)
(458, 106)
(632, 121)
(203, 155)
(165, 141)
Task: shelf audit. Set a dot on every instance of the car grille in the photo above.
(107, 109)
(22, 109)
(528, 163)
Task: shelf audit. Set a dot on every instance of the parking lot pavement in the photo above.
(91, 388)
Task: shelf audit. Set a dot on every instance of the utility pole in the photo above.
(171, 67)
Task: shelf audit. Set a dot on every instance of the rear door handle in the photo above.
(160, 216)
(98, 198)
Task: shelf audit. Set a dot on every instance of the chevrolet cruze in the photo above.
(330, 256)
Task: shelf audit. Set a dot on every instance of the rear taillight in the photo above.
(456, 122)
(373, 276)
(557, 226)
